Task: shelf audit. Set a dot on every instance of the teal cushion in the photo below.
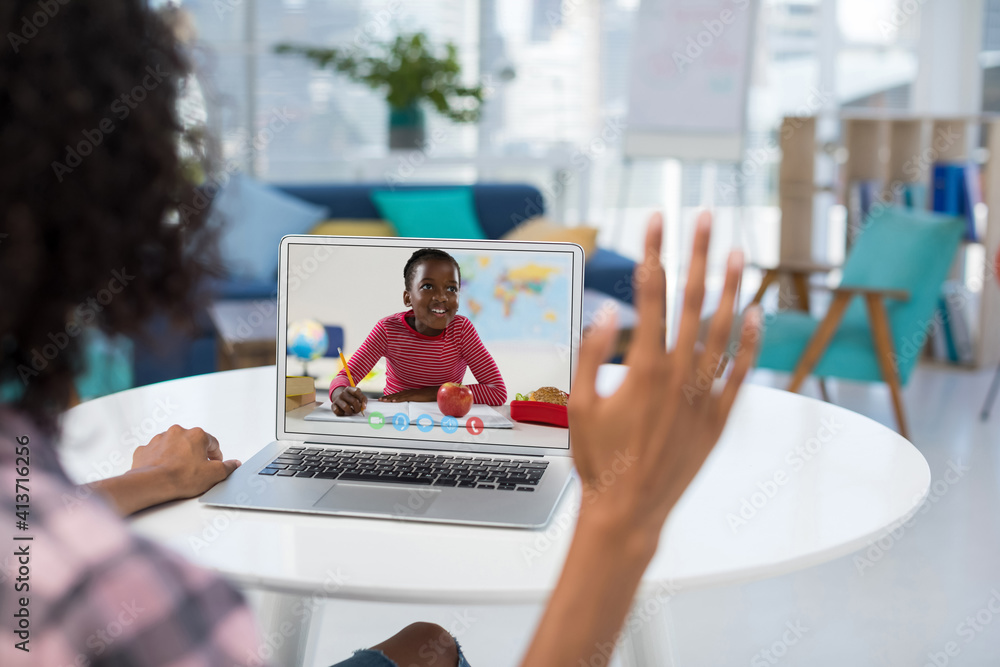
(108, 365)
(253, 217)
(107, 368)
(851, 354)
(439, 214)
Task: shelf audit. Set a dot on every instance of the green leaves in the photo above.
(407, 71)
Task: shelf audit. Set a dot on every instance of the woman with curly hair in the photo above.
(90, 188)
(90, 236)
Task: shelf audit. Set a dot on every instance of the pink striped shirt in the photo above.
(414, 360)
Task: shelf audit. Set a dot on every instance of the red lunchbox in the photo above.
(539, 412)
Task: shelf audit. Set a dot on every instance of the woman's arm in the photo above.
(489, 388)
(178, 463)
(671, 429)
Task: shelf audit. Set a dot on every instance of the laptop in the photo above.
(517, 318)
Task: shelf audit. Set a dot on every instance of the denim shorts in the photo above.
(369, 657)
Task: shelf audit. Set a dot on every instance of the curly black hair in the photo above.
(424, 255)
(90, 189)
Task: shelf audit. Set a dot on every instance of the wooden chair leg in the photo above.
(882, 336)
(801, 282)
(991, 395)
(819, 342)
(765, 282)
(823, 390)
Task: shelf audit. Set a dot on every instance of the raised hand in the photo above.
(638, 449)
(664, 419)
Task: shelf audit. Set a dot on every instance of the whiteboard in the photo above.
(688, 79)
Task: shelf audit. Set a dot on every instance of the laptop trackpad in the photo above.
(348, 497)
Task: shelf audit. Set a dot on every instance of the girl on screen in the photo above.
(424, 347)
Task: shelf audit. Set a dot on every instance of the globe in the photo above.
(307, 340)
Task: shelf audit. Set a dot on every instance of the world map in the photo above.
(516, 296)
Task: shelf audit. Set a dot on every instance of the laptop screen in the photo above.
(438, 340)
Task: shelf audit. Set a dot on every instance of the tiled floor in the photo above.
(911, 600)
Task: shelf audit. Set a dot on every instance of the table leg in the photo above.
(285, 622)
(648, 640)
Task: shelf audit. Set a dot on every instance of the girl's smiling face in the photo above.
(433, 295)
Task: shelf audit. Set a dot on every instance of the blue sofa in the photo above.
(499, 206)
(168, 354)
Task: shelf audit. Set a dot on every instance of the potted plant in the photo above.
(408, 71)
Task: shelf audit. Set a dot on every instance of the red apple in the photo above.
(454, 399)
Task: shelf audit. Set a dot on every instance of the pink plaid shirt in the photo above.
(85, 591)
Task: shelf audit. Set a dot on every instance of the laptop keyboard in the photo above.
(408, 468)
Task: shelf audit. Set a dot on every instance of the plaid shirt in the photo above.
(95, 593)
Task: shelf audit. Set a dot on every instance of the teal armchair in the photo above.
(878, 319)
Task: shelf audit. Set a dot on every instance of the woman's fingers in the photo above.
(594, 350)
(694, 291)
(213, 450)
(650, 285)
(722, 322)
(749, 337)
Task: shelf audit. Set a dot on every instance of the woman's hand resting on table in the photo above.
(178, 463)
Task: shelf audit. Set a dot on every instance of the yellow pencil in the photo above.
(343, 360)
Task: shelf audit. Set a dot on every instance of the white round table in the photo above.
(792, 483)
